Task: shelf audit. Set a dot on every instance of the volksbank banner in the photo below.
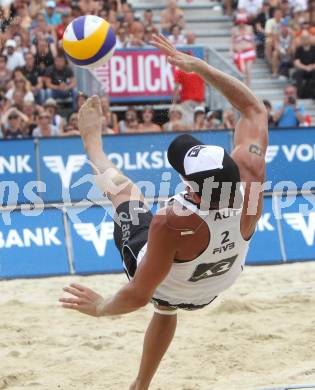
(37, 244)
(64, 174)
(33, 244)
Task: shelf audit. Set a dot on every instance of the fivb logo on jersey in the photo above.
(98, 237)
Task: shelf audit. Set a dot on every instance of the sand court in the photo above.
(259, 333)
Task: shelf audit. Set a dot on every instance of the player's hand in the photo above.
(84, 300)
(183, 61)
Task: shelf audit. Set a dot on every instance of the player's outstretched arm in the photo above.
(252, 127)
(162, 245)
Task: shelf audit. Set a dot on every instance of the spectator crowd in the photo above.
(282, 32)
(38, 90)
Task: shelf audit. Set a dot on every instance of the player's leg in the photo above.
(109, 178)
(157, 339)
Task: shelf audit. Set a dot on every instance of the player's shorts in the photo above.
(132, 222)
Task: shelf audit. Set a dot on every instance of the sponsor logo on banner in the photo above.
(56, 165)
(15, 164)
(140, 160)
(264, 223)
(302, 224)
(137, 73)
(98, 237)
(46, 236)
(301, 152)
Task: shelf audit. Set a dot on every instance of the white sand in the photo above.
(259, 333)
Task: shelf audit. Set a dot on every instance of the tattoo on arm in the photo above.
(255, 149)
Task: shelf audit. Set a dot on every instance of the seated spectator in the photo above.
(229, 119)
(147, 125)
(81, 99)
(52, 18)
(136, 31)
(272, 28)
(148, 18)
(89, 7)
(12, 124)
(176, 122)
(31, 111)
(191, 88)
(304, 27)
(74, 121)
(22, 85)
(14, 58)
(21, 46)
(304, 63)
(105, 128)
(45, 127)
(60, 81)
(111, 117)
(69, 131)
(122, 37)
(251, 7)
(176, 37)
(130, 124)
(290, 113)
(170, 16)
(297, 20)
(5, 74)
(43, 55)
(271, 122)
(23, 16)
(51, 107)
(65, 20)
(199, 119)
(283, 54)
(32, 74)
(243, 46)
(286, 9)
(190, 38)
(64, 7)
(148, 34)
(42, 30)
(212, 121)
(259, 28)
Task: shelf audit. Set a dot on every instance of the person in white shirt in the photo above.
(45, 127)
(272, 29)
(251, 7)
(176, 37)
(14, 59)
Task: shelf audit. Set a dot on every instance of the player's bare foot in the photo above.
(90, 121)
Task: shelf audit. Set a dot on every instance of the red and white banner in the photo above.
(142, 74)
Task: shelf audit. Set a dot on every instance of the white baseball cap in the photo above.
(10, 43)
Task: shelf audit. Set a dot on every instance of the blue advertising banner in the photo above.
(265, 245)
(291, 157)
(92, 234)
(143, 158)
(17, 168)
(33, 244)
(93, 243)
(298, 227)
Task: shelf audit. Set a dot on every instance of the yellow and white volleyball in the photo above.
(89, 41)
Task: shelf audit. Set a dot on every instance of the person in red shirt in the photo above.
(65, 20)
(191, 90)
